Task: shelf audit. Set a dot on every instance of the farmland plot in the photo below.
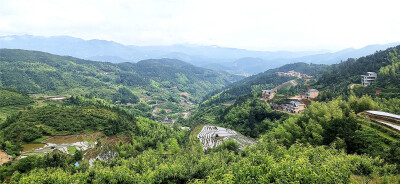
(212, 136)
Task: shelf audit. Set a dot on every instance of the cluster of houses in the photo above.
(294, 106)
(293, 73)
(298, 105)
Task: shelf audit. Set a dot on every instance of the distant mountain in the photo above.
(247, 65)
(102, 50)
(232, 60)
(343, 55)
(252, 65)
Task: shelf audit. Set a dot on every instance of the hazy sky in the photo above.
(249, 24)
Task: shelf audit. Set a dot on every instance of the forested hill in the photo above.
(337, 78)
(39, 72)
(265, 80)
(240, 94)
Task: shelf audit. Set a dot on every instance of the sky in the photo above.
(267, 25)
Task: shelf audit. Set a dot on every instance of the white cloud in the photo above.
(251, 24)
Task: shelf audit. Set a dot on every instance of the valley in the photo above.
(101, 119)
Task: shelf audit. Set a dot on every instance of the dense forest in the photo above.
(8, 98)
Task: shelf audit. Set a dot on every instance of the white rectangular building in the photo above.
(367, 80)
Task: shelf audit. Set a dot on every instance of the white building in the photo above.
(367, 80)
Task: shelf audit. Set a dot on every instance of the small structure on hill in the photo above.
(55, 98)
(368, 79)
(293, 73)
(104, 72)
(268, 94)
(312, 94)
(295, 107)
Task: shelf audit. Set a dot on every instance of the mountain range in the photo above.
(232, 60)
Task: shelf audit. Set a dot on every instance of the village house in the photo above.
(302, 95)
(312, 94)
(367, 80)
(295, 107)
(268, 94)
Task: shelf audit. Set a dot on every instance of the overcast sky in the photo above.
(249, 24)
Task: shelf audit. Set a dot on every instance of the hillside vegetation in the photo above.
(243, 94)
(163, 85)
(38, 72)
(336, 79)
(338, 121)
(8, 98)
(332, 141)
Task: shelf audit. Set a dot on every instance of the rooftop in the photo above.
(296, 103)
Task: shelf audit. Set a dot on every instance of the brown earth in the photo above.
(4, 158)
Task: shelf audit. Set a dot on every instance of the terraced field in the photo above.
(68, 144)
(212, 136)
(385, 118)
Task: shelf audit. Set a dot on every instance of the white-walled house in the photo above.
(368, 79)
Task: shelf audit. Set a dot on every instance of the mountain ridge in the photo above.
(232, 60)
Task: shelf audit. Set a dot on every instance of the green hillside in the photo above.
(12, 101)
(338, 77)
(8, 98)
(38, 72)
(219, 102)
(170, 84)
(265, 80)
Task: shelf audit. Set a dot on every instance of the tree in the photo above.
(367, 141)
(173, 146)
(78, 155)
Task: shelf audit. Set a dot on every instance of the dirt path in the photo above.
(352, 85)
(292, 82)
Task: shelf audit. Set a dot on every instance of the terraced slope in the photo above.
(385, 118)
(212, 136)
